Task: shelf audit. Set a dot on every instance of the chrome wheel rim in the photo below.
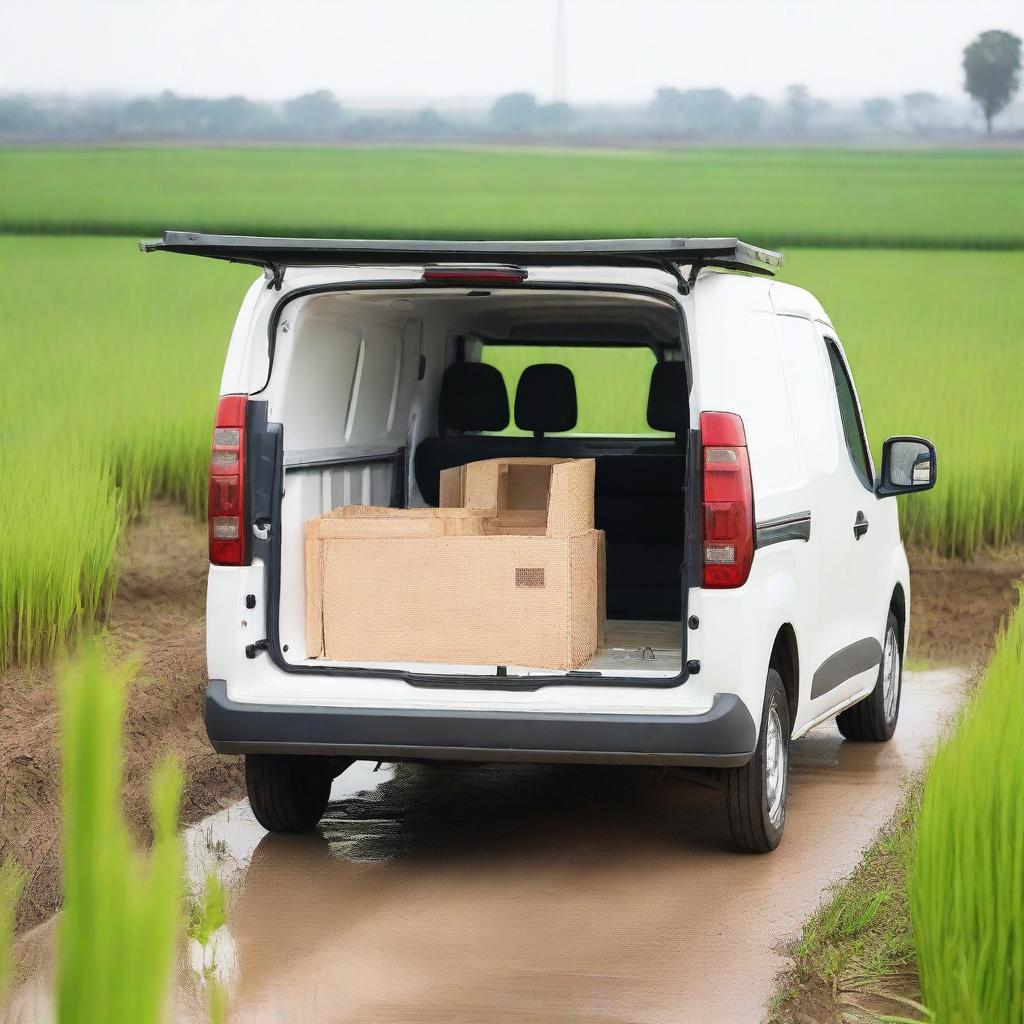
(890, 676)
(775, 767)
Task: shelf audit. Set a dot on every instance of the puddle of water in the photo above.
(462, 893)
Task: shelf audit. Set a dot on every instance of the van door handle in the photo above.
(860, 526)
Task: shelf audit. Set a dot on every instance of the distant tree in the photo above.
(878, 111)
(750, 111)
(314, 115)
(799, 108)
(921, 109)
(429, 124)
(695, 111)
(554, 118)
(515, 113)
(668, 108)
(992, 71)
(20, 116)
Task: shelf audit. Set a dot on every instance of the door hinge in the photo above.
(251, 650)
(274, 274)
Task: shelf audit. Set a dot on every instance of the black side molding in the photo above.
(796, 526)
(859, 657)
(724, 736)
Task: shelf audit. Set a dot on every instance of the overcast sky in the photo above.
(430, 50)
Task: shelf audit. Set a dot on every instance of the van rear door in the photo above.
(275, 255)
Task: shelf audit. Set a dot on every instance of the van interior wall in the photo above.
(357, 384)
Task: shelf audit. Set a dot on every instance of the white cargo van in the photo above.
(756, 581)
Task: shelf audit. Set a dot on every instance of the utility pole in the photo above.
(559, 69)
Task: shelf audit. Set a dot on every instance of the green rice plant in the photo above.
(122, 911)
(111, 364)
(781, 197)
(967, 882)
(12, 880)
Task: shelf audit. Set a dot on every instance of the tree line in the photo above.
(991, 65)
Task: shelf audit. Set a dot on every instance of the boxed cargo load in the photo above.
(509, 571)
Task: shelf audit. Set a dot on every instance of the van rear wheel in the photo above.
(289, 792)
(756, 793)
(874, 718)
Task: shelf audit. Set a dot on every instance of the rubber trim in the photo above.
(724, 736)
(796, 526)
(851, 661)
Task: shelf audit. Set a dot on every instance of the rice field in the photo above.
(112, 362)
(111, 369)
(809, 197)
(967, 882)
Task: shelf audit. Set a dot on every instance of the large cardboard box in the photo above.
(509, 571)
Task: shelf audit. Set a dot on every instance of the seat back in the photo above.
(546, 399)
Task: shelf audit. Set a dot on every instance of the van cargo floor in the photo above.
(648, 647)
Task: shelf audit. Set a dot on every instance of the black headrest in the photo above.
(473, 397)
(546, 399)
(667, 407)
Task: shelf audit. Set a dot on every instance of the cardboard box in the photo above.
(509, 571)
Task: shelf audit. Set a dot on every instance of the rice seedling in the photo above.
(111, 371)
(967, 882)
(775, 196)
(122, 914)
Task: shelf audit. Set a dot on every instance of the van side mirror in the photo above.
(908, 466)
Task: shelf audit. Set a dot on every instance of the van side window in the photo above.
(853, 428)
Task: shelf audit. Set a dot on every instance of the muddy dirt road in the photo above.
(517, 893)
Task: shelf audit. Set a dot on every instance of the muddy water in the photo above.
(543, 894)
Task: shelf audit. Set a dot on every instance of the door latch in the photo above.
(251, 650)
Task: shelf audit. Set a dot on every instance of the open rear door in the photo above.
(277, 254)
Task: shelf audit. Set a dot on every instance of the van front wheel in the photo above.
(289, 792)
(756, 793)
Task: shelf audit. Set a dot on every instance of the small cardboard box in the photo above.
(509, 571)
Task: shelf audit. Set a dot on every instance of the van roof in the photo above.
(275, 254)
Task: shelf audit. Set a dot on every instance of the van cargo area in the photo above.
(382, 390)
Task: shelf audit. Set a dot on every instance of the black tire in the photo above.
(873, 719)
(289, 792)
(755, 827)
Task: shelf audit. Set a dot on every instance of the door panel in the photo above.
(852, 538)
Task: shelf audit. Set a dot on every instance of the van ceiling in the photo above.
(534, 317)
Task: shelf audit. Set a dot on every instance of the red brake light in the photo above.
(474, 275)
(728, 501)
(226, 500)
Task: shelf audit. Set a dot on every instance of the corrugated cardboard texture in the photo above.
(501, 600)
(516, 578)
(563, 489)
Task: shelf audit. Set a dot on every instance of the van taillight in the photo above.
(226, 505)
(728, 501)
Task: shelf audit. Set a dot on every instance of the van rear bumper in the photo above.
(723, 737)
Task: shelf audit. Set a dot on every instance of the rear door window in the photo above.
(612, 384)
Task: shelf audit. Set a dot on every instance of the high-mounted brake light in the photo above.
(474, 275)
(728, 501)
(226, 503)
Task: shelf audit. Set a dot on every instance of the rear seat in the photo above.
(638, 502)
(473, 397)
(638, 498)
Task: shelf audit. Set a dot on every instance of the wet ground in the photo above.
(543, 894)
